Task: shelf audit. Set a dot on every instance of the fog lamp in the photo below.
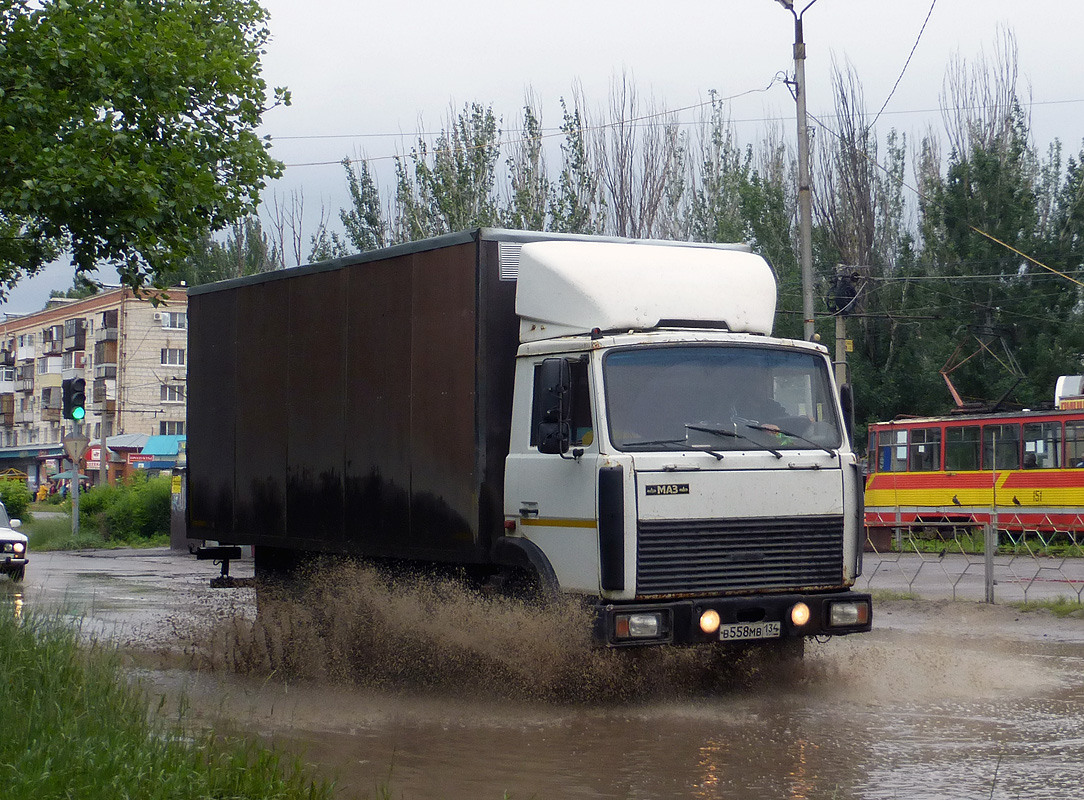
(799, 614)
(841, 615)
(18, 547)
(709, 621)
(646, 625)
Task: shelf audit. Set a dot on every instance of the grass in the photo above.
(1059, 606)
(973, 543)
(888, 595)
(73, 727)
(55, 533)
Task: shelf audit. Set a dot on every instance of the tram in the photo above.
(1021, 471)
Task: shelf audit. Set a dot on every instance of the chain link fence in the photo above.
(1006, 560)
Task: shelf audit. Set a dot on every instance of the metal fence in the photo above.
(1003, 561)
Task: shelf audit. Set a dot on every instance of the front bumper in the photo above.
(11, 561)
(681, 618)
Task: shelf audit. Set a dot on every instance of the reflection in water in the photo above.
(15, 594)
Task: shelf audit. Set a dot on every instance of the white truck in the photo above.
(605, 418)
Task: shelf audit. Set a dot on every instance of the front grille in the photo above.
(738, 555)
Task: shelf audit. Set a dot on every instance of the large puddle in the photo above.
(440, 693)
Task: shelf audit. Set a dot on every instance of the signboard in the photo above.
(75, 445)
(139, 458)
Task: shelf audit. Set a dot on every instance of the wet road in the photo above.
(942, 700)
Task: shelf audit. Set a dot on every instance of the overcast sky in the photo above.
(366, 76)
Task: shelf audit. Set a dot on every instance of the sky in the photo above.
(365, 77)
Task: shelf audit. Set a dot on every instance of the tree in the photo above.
(574, 206)
(452, 187)
(530, 188)
(247, 250)
(364, 222)
(127, 130)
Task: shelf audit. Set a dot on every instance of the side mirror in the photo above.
(846, 399)
(555, 402)
(15, 523)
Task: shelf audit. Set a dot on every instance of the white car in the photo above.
(12, 547)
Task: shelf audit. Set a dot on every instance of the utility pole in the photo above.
(805, 202)
(75, 444)
(841, 302)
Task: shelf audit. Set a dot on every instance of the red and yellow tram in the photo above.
(1021, 471)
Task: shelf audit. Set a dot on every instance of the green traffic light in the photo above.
(78, 413)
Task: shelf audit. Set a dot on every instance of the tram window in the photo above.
(892, 451)
(962, 448)
(1074, 443)
(1042, 445)
(925, 449)
(1001, 446)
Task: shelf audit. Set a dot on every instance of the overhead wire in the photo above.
(556, 132)
(906, 64)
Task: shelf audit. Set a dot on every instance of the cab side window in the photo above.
(583, 433)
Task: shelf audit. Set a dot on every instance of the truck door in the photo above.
(550, 496)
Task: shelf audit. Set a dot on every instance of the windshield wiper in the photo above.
(777, 429)
(681, 443)
(734, 435)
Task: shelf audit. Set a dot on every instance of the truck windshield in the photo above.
(719, 397)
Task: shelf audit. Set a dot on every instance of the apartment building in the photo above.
(131, 353)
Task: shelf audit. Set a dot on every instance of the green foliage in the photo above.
(452, 187)
(530, 187)
(574, 208)
(127, 129)
(247, 250)
(16, 498)
(364, 223)
(75, 726)
(948, 274)
(129, 512)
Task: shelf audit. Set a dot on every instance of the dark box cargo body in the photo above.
(360, 406)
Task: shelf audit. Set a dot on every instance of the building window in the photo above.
(173, 356)
(7, 374)
(170, 428)
(174, 319)
(172, 394)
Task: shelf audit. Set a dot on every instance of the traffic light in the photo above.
(74, 393)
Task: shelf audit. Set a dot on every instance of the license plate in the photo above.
(749, 630)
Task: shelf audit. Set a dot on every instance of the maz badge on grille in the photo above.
(666, 488)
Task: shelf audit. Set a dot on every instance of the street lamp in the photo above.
(805, 203)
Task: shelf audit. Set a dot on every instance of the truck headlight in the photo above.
(709, 621)
(641, 625)
(799, 614)
(846, 614)
(19, 548)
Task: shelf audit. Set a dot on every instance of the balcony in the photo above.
(105, 371)
(76, 342)
(50, 415)
(105, 352)
(107, 335)
(7, 358)
(104, 395)
(24, 385)
(24, 417)
(52, 348)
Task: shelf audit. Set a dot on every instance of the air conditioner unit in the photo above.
(157, 316)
